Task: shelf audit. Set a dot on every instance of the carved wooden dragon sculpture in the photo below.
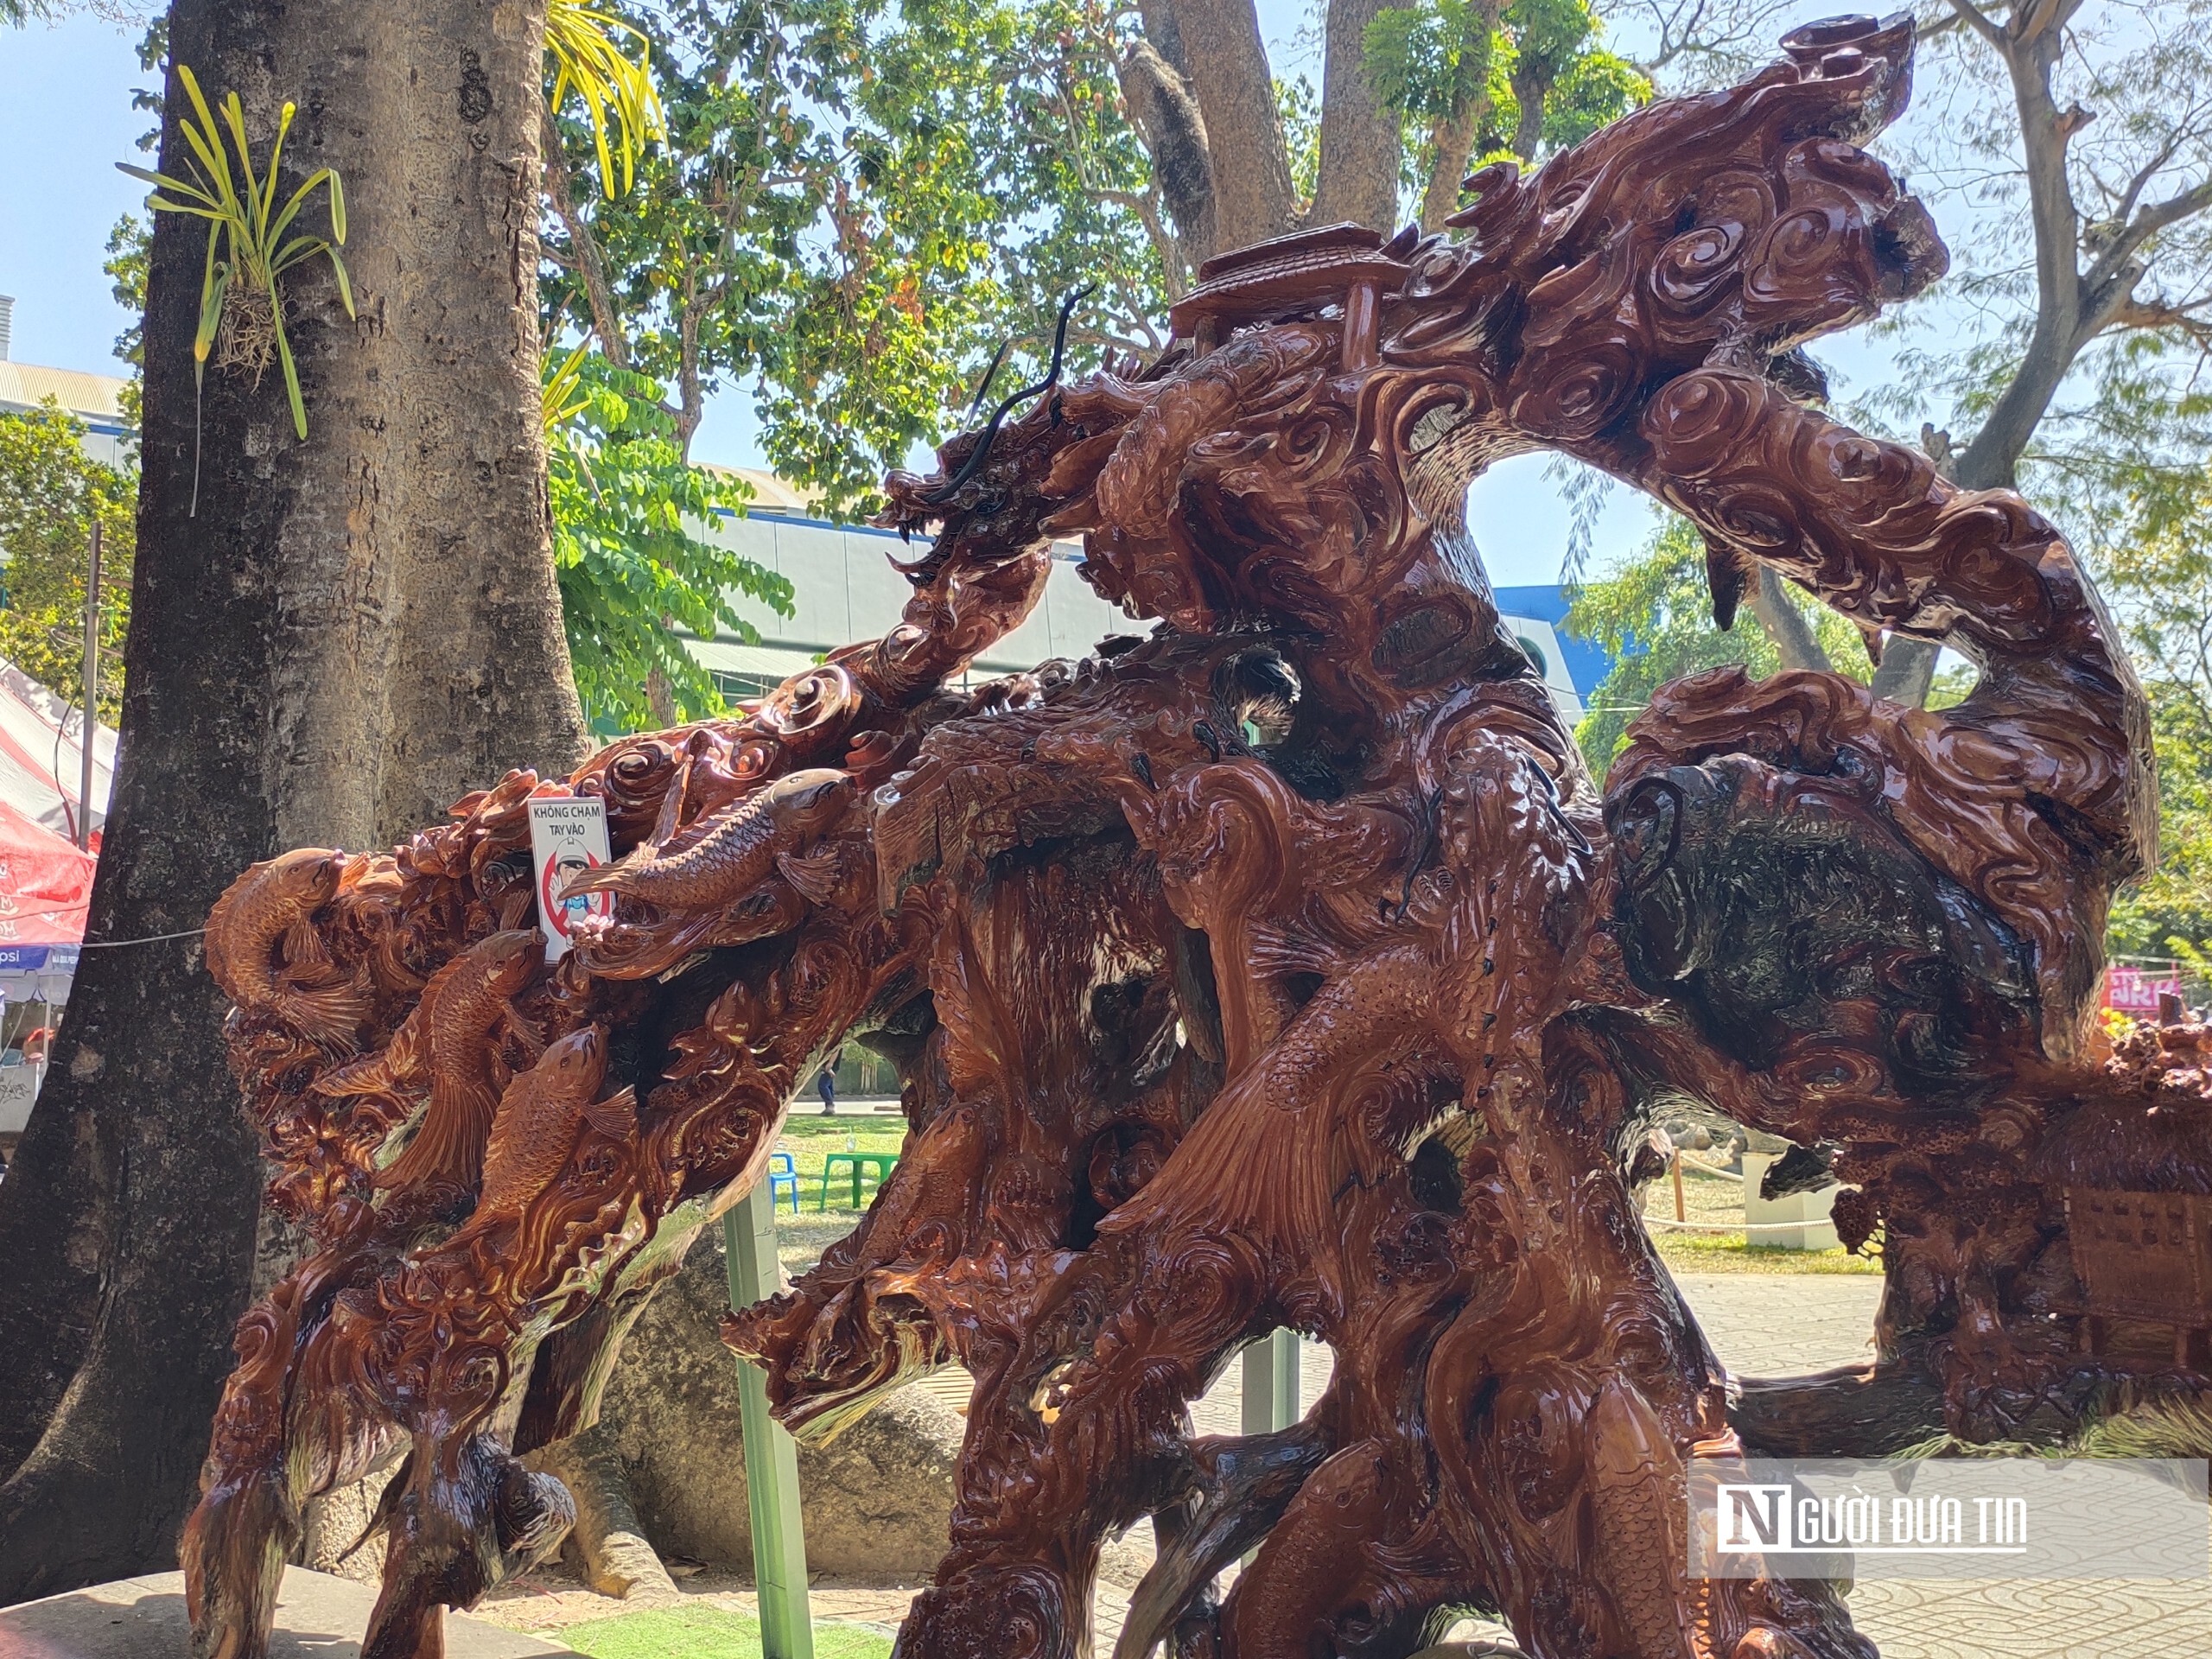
(1282, 967)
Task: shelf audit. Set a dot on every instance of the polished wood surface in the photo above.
(1279, 966)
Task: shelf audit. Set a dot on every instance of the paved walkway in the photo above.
(1760, 1325)
(1781, 1324)
(318, 1617)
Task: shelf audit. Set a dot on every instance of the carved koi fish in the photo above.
(447, 1039)
(1636, 1480)
(539, 1118)
(759, 835)
(269, 910)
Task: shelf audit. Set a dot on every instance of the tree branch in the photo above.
(2141, 181)
(1165, 113)
(1982, 24)
(1452, 139)
(1785, 625)
(590, 258)
(2157, 217)
(2030, 51)
(690, 387)
(1253, 198)
(2187, 320)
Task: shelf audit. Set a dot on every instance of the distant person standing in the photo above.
(825, 1082)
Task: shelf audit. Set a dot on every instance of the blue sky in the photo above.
(66, 119)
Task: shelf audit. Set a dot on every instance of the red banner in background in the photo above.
(2135, 990)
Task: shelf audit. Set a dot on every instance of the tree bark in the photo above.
(1530, 88)
(2029, 48)
(1453, 141)
(349, 632)
(2066, 318)
(1253, 197)
(1907, 672)
(690, 390)
(480, 679)
(619, 1560)
(1165, 114)
(1786, 625)
(1361, 142)
(591, 258)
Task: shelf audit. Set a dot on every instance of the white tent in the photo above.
(46, 883)
(41, 756)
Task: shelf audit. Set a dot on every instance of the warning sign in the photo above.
(567, 838)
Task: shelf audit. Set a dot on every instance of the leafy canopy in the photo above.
(1533, 78)
(633, 569)
(51, 494)
(2158, 578)
(1653, 615)
(855, 205)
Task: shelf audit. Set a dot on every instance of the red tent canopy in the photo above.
(46, 884)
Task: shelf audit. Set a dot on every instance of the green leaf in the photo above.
(633, 572)
(248, 226)
(213, 288)
(51, 494)
(345, 282)
(291, 373)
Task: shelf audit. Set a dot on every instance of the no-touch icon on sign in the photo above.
(568, 835)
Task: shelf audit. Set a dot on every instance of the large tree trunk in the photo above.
(1202, 94)
(1253, 197)
(1165, 113)
(1788, 626)
(350, 630)
(1452, 141)
(1361, 141)
(1531, 87)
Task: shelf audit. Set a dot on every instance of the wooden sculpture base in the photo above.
(1280, 967)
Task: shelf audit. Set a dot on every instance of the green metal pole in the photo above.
(1270, 1387)
(770, 1455)
(1271, 1384)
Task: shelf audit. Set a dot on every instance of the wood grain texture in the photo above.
(1283, 968)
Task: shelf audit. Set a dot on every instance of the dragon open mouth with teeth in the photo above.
(1283, 967)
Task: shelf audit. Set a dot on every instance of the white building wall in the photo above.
(844, 589)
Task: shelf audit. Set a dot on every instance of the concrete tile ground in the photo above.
(1759, 1325)
(1781, 1324)
(318, 1617)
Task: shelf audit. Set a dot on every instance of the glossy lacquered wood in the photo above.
(1278, 966)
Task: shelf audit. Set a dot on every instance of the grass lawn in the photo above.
(1730, 1253)
(810, 1138)
(707, 1633)
(1716, 1200)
